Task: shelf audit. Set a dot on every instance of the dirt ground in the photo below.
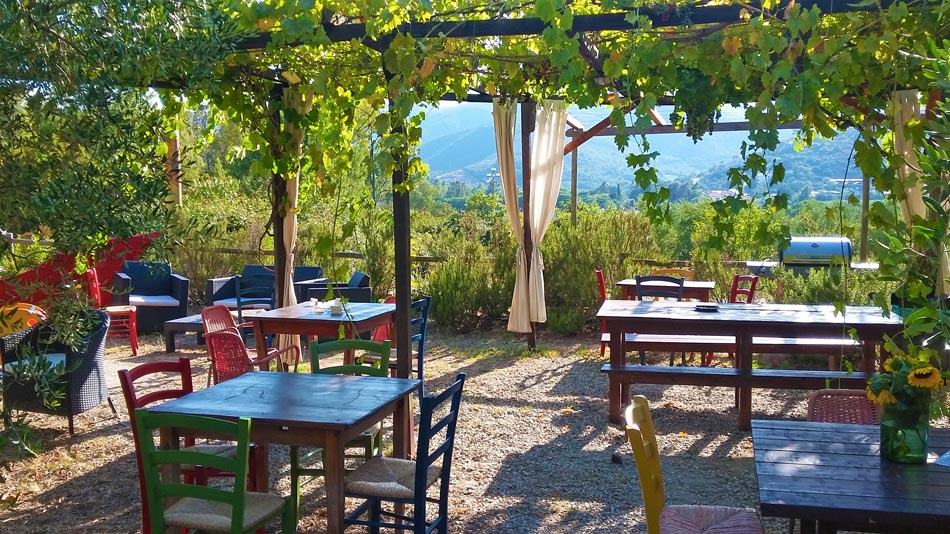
(533, 450)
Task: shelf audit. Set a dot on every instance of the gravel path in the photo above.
(533, 447)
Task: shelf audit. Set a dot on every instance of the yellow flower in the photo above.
(925, 377)
(884, 397)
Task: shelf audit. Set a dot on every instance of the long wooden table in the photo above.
(301, 409)
(832, 476)
(692, 289)
(742, 321)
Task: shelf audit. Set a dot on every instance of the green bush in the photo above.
(827, 286)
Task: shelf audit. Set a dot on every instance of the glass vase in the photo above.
(904, 430)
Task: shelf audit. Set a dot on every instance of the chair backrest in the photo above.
(377, 368)
(255, 290)
(359, 279)
(94, 289)
(418, 326)
(642, 438)
(154, 458)
(133, 400)
(436, 442)
(149, 277)
(842, 406)
(659, 286)
(602, 285)
(743, 288)
(228, 355)
(679, 272)
(217, 318)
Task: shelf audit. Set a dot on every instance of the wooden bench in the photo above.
(731, 377)
(833, 347)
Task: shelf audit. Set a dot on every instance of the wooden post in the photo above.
(279, 188)
(574, 187)
(528, 109)
(865, 193)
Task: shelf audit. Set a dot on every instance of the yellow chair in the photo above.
(676, 273)
(679, 519)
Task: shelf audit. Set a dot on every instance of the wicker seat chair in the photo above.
(678, 519)
(85, 381)
(842, 406)
(405, 481)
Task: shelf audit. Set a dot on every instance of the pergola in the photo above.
(693, 23)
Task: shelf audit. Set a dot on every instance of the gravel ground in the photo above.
(533, 450)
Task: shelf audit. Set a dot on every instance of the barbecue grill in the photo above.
(816, 252)
(804, 253)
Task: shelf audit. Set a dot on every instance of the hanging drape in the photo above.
(527, 302)
(906, 109)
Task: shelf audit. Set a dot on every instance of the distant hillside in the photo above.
(458, 143)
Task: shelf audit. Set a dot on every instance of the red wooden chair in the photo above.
(742, 292)
(842, 406)
(231, 358)
(148, 372)
(604, 335)
(122, 319)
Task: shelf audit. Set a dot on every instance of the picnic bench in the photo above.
(734, 326)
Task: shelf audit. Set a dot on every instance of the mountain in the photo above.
(458, 144)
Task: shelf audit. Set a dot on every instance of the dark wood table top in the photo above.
(762, 318)
(303, 400)
(356, 312)
(834, 474)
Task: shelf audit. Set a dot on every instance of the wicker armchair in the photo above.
(86, 385)
(842, 406)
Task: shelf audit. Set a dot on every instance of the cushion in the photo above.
(695, 519)
(232, 304)
(55, 358)
(149, 278)
(165, 301)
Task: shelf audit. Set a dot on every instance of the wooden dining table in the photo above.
(743, 321)
(832, 476)
(309, 410)
(692, 289)
(305, 319)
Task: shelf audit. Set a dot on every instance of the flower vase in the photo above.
(904, 430)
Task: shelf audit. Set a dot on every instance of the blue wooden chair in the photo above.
(406, 481)
(666, 287)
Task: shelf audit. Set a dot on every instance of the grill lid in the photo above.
(816, 251)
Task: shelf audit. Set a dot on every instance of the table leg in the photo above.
(807, 527)
(261, 459)
(169, 341)
(334, 469)
(744, 364)
(260, 339)
(617, 393)
(827, 528)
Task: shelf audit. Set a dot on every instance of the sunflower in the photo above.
(884, 397)
(925, 377)
(894, 364)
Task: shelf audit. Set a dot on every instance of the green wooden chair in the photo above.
(202, 508)
(369, 442)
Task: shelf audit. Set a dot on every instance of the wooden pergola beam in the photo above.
(469, 29)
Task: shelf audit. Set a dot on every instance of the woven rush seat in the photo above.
(696, 519)
(211, 516)
(389, 478)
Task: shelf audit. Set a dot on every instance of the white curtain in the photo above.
(906, 109)
(547, 157)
